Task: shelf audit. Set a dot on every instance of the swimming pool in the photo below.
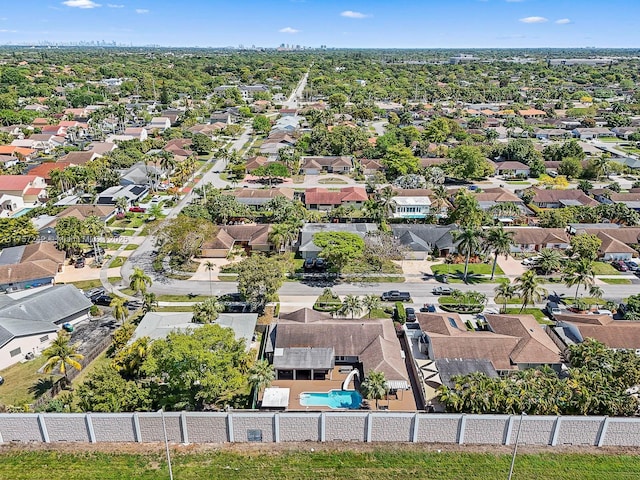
(332, 399)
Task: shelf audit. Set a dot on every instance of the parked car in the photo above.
(531, 260)
(442, 291)
(602, 311)
(395, 296)
(79, 263)
(92, 253)
(67, 327)
(104, 300)
(631, 265)
(116, 234)
(411, 314)
(553, 309)
(321, 263)
(94, 293)
(133, 304)
(428, 308)
(137, 209)
(309, 263)
(620, 266)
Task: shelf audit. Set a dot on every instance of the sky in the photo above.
(334, 23)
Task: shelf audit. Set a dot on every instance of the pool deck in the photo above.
(404, 401)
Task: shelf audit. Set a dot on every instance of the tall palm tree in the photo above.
(139, 281)
(351, 305)
(596, 292)
(63, 355)
(371, 302)
(209, 267)
(93, 227)
(500, 241)
(531, 292)
(579, 273)
(278, 235)
(506, 291)
(120, 311)
(374, 387)
(385, 199)
(149, 302)
(440, 199)
(549, 261)
(469, 242)
(261, 374)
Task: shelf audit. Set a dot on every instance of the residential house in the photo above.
(371, 166)
(159, 123)
(80, 158)
(512, 169)
(561, 198)
(258, 197)
(592, 133)
(140, 173)
(133, 194)
(157, 325)
(41, 142)
(7, 161)
(44, 170)
(496, 197)
(423, 240)
(532, 113)
(45, 224)
(606, 196)
(102, 147)
(18, 152)
(308, 249)
(512, 343)
(28, 324)
(616, 240)
(254, 163)
(411, 203)
(9, 204)
(172, 114)
(307, 345)
(534, 239)
(624, 132)
(29, 266)
(137, 133)
(318, 198)
(573, 329)
(31, 188)
(250, 238)
(316, 165)
(208, 130)
(551, 134)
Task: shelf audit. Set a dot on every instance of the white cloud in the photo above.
(288, 30)
(81, 4)
(111, 5)
(8, 31)
(563, 21)
(534, 20)
(141, 11)
(352, 14)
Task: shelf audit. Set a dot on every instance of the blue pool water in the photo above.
(332, 399)
(22, 212)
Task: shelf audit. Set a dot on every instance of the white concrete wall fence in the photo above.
(270, 427)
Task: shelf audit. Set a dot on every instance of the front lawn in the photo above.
(117, 262)
(601, 268)
(20, 380)
(458, 269)
(536, 312)
(182, 298)
(616, 281)
(89, 284)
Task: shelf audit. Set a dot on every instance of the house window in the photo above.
(15, 352)
(44, 339)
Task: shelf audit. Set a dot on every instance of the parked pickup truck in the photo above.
(442, 291)
(395, 296)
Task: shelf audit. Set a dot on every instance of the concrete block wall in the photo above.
(268, 427)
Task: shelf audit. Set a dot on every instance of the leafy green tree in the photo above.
(374, 386)
(351, 305)
(207, 311)
(585, 245)
(579, 273)
(20, 231)
(260, 278)
(183, 236)
(530, 289)
(139, 281)
(193, 370)
(129, 360)
(500, 242)
(339, 247)
(400, 161)
(437, 130)
(467, 162)
(105, 390)
(571, 167)
(202, 144)
(337, 100)
(62, 354)
(469, 242)
(370, 303)
(272, 170)
(467, 211)
(261, 374)
(261, 124)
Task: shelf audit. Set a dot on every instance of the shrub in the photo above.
(400, 313)
(94, 311)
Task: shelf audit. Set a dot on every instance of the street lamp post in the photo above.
(166, 444)
(515, 447)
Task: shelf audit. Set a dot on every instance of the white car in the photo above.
(531, 260)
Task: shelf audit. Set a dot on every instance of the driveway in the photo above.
(511, 266)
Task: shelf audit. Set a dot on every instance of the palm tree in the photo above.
(351, 305)
(149, 302)
(278, 235)
(440, 199)
(139, 281)
(530, 289)
(119, 309)
(506, 291)
(371, 302)
(500, 241)
(579, 273)
(209, 267)
(469, 240)
(93, 227)
(121, 204)
(549, 261)
(261, 374)
(63, 355)
(374, 387)
(385, 199)
(596, 292)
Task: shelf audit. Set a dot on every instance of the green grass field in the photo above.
(536, 312)
(458, 269)
(19, 382)
(616, 281)
(601, 268)
(403, 462)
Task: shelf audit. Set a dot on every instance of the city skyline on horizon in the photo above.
(458, 24)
